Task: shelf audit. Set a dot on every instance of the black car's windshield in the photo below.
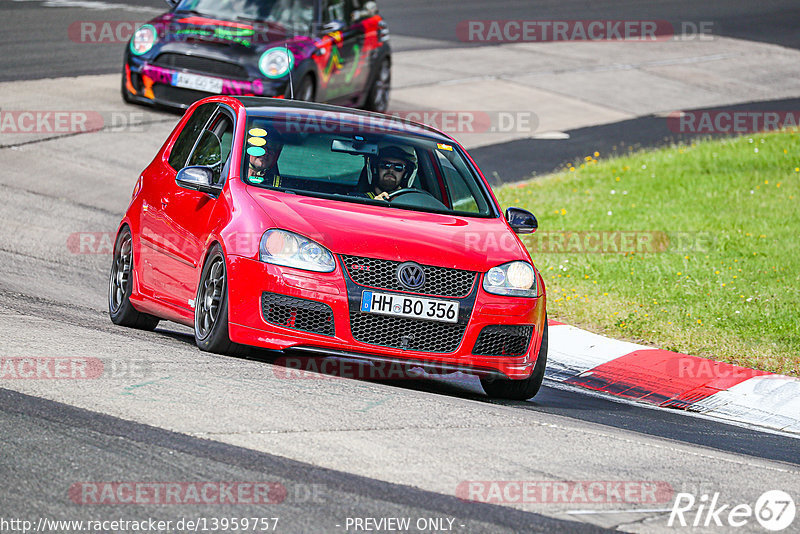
(294, 14)
(392, 169)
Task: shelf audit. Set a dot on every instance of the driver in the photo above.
(392, 170)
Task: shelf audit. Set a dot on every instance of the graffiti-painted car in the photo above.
(260, 222)
(333, 51)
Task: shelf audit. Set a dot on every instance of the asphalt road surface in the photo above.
(336, 449)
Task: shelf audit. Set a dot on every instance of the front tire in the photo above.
(378, 98)
(120, 286)
(305, 90)
(501, 388)
(211, 305)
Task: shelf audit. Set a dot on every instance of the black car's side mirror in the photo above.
(521, 221)
(198, 178)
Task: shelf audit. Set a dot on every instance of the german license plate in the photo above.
(199, 83)
(445, 311)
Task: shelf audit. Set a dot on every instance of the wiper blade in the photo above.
(193, 12)
(250, 19)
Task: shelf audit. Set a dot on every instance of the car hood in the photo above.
(350, 228)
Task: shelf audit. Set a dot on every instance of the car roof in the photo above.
(298, 109)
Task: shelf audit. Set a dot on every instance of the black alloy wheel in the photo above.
(120, 286)
(211, 305)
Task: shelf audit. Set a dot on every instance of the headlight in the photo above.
(516, 279)
(143, 40)
(286, 248)
(276, 62)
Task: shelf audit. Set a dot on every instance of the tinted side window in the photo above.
(224, 129)
(214, 146)
(208, 152)
(461, 195)
(188, 136)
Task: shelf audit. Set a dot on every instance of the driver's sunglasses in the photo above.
(385, 165)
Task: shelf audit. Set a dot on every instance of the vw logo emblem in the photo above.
(411, 275)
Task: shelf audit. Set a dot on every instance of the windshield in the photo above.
(395, 170)
(294, 14)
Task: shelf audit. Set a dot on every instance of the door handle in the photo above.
(164, 202)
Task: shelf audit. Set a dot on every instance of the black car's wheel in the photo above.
(378, 98)
(305, 89)
(499, 388)
(120, 285)
(211, 306)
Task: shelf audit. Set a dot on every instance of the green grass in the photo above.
(723, 281)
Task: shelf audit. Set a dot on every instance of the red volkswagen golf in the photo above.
(322, 230)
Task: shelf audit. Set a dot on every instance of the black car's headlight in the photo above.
(516, 279)
(144, 39)
(292, 250)
(276, 62)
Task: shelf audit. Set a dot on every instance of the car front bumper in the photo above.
(287, 309)
(146, 83)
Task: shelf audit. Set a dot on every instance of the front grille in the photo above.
(503, 340)
(439, 281)
(202, 65)
(177, 95)
(300, 314)
(406, 334)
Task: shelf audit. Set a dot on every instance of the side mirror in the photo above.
(198, 178)
(332, 27)
(521, 221)
(172, 3)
